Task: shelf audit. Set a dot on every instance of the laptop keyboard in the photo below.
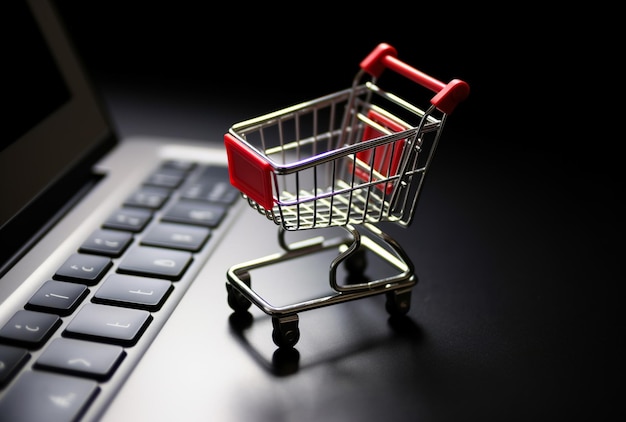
(77, 329)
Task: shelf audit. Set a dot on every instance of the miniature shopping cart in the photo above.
(351, 159)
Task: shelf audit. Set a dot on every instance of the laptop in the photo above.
(100, 239)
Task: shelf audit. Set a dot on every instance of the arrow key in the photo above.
(83, 358)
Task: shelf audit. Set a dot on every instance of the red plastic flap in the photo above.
(387, 157)
(249, 173)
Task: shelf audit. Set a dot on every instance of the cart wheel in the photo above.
(286, 332)
(237, 301)
(398, 304)
(356, 263)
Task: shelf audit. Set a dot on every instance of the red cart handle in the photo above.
(447, 97)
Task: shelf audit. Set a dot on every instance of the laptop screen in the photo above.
(54, 131)
(34, 85)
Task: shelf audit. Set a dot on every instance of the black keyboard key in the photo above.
(107, 242)
(129, 219)
(195, 212)
(167, 177)
(43, 396)
(213, 185)
(29, 328)
(151, 197)
(212, 190)
(155, 262)
(134, 292)
(58, 297)
(182, 165)
(109, 324)
(83, 268)
(82, 358)
(177, 236)
(12, 359)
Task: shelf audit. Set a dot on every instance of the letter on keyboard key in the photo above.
(42, 396)
(134, 292)
(195, 212)
(83, 268)
(110, 324)
(155, 262)
(29, 328)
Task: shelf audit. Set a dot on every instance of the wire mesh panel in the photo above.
(341, 159)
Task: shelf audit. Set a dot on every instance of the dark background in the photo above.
(529, 86)
(273, 54)
(527, 224)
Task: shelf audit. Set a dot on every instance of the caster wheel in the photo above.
(237, 301)
(398, 304)
(286, 332)
(356, 263)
